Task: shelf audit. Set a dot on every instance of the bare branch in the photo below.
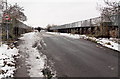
(17, 12)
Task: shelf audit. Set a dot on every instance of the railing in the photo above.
(93, 22)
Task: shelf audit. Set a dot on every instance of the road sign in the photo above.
(6, 17)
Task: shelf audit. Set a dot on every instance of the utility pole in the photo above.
(119, 20)
(6, 22)
(1, 10)
(5, 15)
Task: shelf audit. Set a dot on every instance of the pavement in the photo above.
(21, 66)
(80, 58)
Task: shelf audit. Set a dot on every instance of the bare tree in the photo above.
(110, 14)
(16, 12)
(111, 8)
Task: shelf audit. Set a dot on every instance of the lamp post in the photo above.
(119, 20)
(5, 18)
(1, 11)
(7, 23)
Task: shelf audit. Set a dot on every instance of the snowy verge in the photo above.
(110, 43)
(7, 61)
(35, 61)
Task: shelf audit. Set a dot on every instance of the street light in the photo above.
(119, 20)
(5, 17)
(1, 11)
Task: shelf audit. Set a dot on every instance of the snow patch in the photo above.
(7, 61)
(35, 61)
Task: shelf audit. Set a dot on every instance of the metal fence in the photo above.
(93, 22)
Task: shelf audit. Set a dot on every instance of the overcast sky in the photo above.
(44, 12)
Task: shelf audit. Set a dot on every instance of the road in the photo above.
(80, 58)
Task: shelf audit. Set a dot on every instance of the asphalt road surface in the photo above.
(80, 58)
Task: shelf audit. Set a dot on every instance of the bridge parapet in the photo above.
(93, 22)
